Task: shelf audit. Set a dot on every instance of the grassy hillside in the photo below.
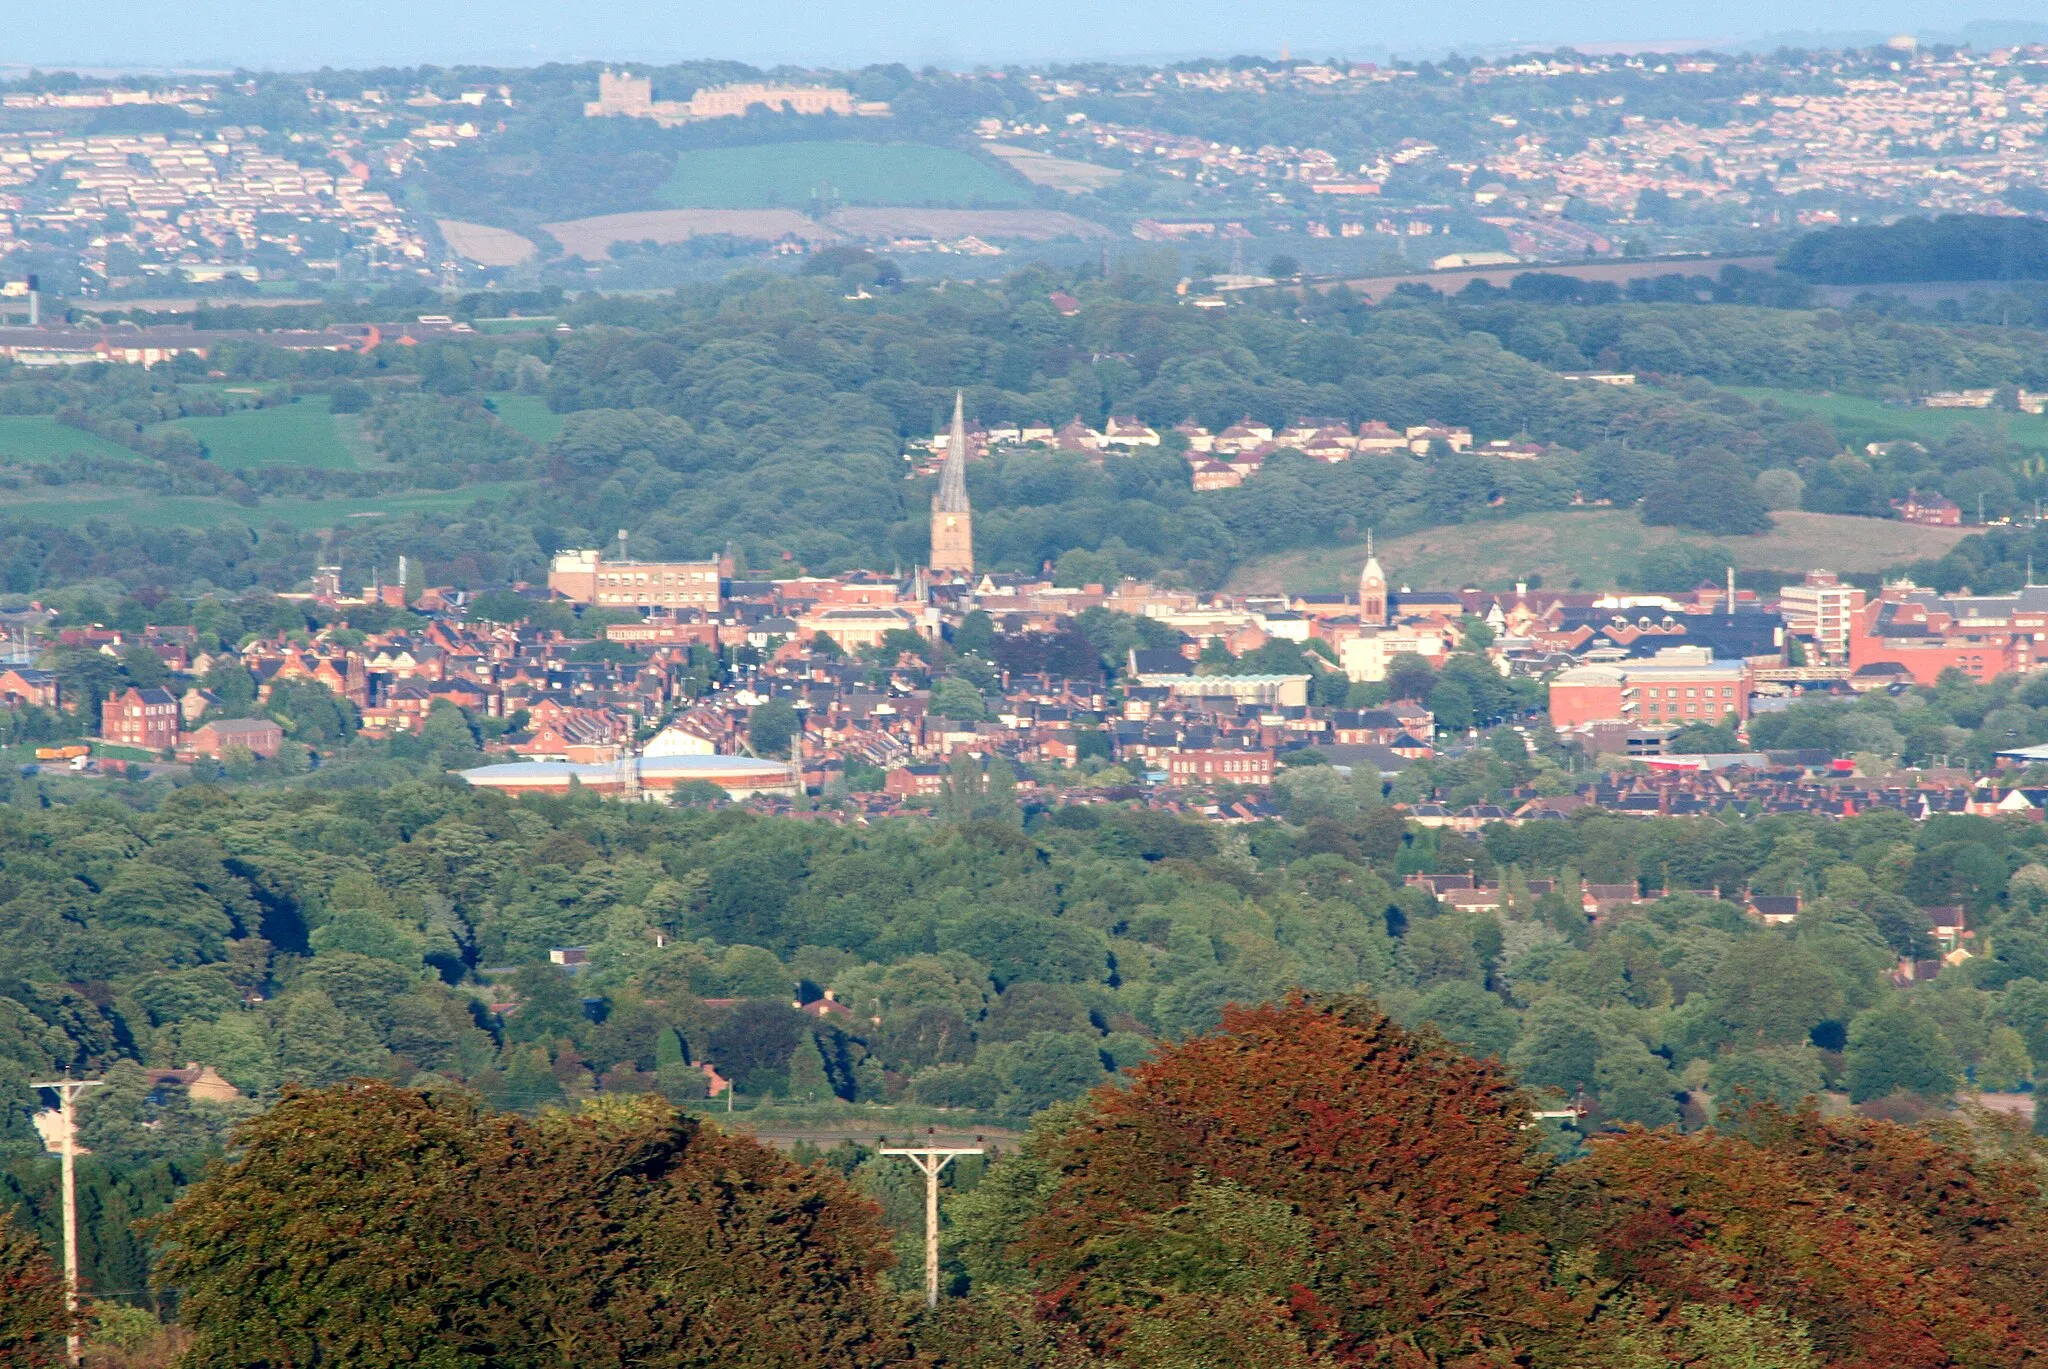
(301, 434)
(45, 439)
(528, 415)
(791, 175)
(78, 504)
(1593, 549)
(1861, 420)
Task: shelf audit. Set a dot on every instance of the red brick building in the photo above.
(1220, 766)
(914, 781)
(1930, 509)
(1677, 686)
(22, 685)
(259, 736)
(1587, 694)
(147, 718)
(1926, 633)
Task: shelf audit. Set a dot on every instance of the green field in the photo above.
(1592, 549)
(791, 175)
(25, 440)
(1860, 420)
(85, 503)
(300, 434)
(528, 415)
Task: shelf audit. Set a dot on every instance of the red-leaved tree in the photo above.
(1982, 1212)
(1309, 1168)
(1713, 1218)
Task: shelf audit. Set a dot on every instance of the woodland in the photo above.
(994, 968)
(772, 415)
(1307, 1184)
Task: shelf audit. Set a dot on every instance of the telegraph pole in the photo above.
(1571, 1114)
(67, 1119)
(929, 1161)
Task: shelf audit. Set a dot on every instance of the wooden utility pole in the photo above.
(67, 1147)
(929, 1161)
(1571, 1114)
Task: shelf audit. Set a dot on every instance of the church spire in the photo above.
(952, 520)
(953, 481)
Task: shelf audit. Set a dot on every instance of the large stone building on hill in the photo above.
(622, 95)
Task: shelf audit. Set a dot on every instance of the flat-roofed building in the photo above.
(587, 577)
(1267, 691)
(652, 779)
(1681, 685)
(1821, 609)
(1677, 686)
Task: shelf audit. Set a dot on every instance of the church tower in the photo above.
(1372, 589)
(952, 520)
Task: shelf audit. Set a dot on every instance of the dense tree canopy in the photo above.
(376, 1226)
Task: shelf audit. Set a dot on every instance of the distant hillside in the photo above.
(794, 175)
(1594, 549)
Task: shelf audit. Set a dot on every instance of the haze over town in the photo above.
(258, 35)
(1009, 688)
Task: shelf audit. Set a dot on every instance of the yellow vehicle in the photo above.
(61, 753)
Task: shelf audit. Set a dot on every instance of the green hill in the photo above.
(1593, 549)
(27, 440)
(792, 175)
(298, 434)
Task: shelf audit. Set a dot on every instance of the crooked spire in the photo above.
(952, 495)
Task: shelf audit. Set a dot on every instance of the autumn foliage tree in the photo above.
(1982, 1212)
(1668, 1222)
(1309, 1174)
(32, 1314)
(1312, 1184)
(372, 1225)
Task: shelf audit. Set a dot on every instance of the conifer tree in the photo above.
(808, 1081)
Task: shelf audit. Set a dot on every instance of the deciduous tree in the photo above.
(32, 1315)
(1392, 1158)
(371, 1225)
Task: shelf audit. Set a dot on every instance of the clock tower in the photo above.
(1372, 589)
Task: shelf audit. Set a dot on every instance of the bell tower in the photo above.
(952, 519)
(1372, 589)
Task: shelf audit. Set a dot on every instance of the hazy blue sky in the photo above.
(309, 33)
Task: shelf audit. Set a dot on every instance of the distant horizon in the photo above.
(125, 36)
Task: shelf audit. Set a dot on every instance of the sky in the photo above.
(307, 34)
